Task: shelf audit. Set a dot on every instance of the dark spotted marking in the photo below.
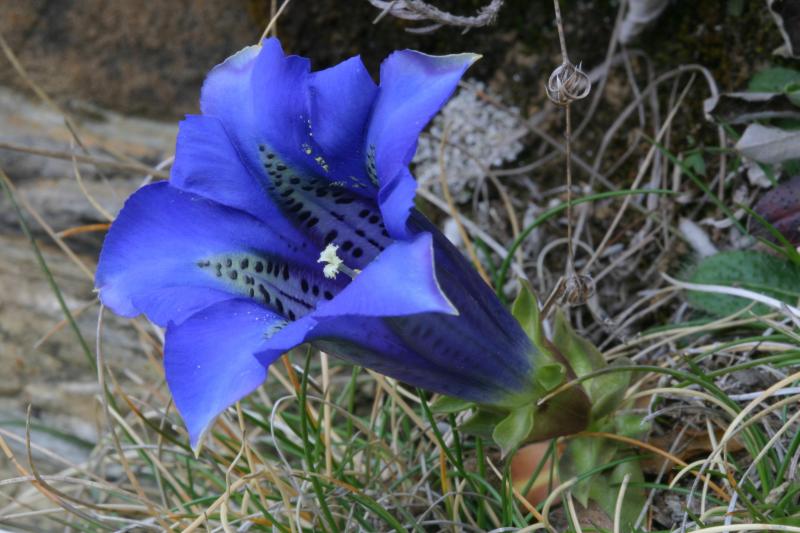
(331, 236)
(228, 263)
(264, 293)
(233, 274)
(328, 295)
(347, 245)
(244, 263)
(358, 252)
(304, 285)
(259, 266)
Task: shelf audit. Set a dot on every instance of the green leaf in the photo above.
(605, 490)
(608, 390)
(581, 354)
(583, 455)
(755, 271)
(513, 429)
(550, 376)
(448, 404)
(773, 80)
(635, 496)
(630, 424)
(695, 161)
(793, 92)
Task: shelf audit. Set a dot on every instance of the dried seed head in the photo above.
(568, 83)
(579, 288)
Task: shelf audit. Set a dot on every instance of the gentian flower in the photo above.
(285, 165)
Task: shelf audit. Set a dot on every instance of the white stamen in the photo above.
(331, 260)
(333, 263)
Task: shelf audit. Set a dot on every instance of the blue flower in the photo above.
(282, 163)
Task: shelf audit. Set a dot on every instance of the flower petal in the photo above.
(382, 350)
(149, 261)
(400, 281)
(413, 88)
(261, 97)
(209, 361)
(207, 163)
(341, 100)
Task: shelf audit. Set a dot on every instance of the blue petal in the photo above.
(396, 201)
(207, 163)
(149, 259)
(413, 88)
(261, 97)
(209, 361)
(341, 100)
(384, 351)
(400, 281)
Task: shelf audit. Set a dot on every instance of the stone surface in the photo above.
(45, 366)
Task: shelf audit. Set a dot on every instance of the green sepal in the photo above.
(481, 424)
(449, 404)
(526, 310)
(550, 375)
(513, 429)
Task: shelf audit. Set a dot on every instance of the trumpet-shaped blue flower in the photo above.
(282, 163)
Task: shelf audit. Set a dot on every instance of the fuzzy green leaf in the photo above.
(755, 271)
(773, 80)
